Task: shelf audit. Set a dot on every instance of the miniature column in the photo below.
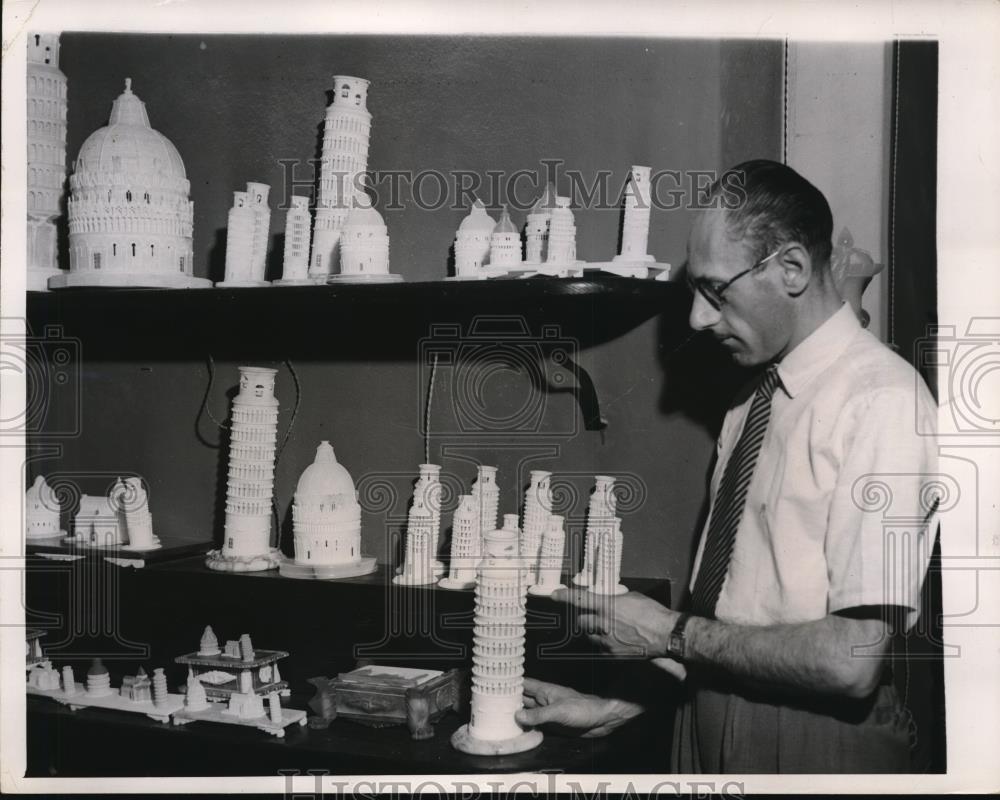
(537, 508)
(250, 485)
(635, 221)
(551, 559)
(160, 690)
(465, 543)
(429, 488)
(609, 562)
(418, 567)
(600, 517)
(274, 706)
(298, 228)
(498, 652)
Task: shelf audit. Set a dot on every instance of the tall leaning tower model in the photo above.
(46, 155)
(250, 487)
(298, 227)
(635, 224)
(600, 521)
(247, 233)
(346, 134)
(498, 652)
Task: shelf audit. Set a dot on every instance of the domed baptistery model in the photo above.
(130, 219)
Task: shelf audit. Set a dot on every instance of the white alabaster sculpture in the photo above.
(505, 243)
(487, 495)
(600, 518)
(428, 486)
(132, 502)
(418, 562)
(326, 521)
(130, 218)
(536, 229)
(68, 681)
(247, 233)
(608, 561)
(46, 168)
(346, 133)
(250, 483)
(498, 651)
(466, 541)
(472, 243)
(41, 511)
(298, 229)
(43, 677)
(537, 509)
(97, 523)
(551, 559)
(364, 246)
(562, 235)
(98, 680)
(209, 645)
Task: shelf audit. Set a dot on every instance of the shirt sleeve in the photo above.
(882, 516)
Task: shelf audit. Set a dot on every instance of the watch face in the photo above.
(676, 644)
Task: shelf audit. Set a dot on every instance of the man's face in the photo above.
(753, 323)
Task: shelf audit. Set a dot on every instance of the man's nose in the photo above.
(703, 314)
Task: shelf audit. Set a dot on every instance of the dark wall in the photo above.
(234, 106)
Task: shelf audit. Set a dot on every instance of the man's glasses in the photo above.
(714, 291)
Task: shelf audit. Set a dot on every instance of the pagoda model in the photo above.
(487, 496)
(505, 244)
(498, 652)
(600, 518)
(551, 559)
(418, 562)
(326, 521)
(46, 156)
(466, 540)
(298, 227)
(536, 229)
(233, 685)
(428, 487)
(247, 236)
(364, 246)
(130, 219)
(132, 504)
(250, 485)
(41, 511)
(608, 561)
(472, 243)
(537, 509)
(346, 134)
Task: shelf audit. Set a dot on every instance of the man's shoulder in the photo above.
(872, 367)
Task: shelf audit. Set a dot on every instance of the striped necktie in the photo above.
(731, 499)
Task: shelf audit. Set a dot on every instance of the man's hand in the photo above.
(572, 711)
(626, 625)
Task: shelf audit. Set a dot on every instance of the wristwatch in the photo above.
(676, 641)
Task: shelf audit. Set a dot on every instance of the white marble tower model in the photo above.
(635, 224)
(250, 488)
(133, 507)
(551, 560)
(46, 155)
(472, 243)
(562, 235)
(466, 541)
(487, 495)
(498, 651)
(130, 219)
(247, 236)
(505, 244)
(418, 561)
(600, 519)
(608, 561)
(536, 229)
(298, 228)
(537, 509)
(346, 135)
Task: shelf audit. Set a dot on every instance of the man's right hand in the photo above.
(572, 711)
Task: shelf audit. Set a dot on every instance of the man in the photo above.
(796, 589)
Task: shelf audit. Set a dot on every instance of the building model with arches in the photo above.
(364, 246)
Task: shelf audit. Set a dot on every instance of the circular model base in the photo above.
(297, 282)
(240, 284)
(544, 591)
(326, 572)
(128, 548)
(466, 277)
(581, 580)
(46, 537)
(448, 583)
(619, 589)
(257, 563)
(387, 277)
(465, 742)
(128, 280)
(402, 580)
(38, 278)
(625, 261)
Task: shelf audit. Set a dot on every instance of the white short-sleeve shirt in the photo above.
(839, 512)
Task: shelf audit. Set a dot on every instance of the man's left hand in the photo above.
(629, 624)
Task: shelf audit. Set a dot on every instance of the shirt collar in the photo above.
(818, 350)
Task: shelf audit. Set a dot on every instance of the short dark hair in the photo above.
(768, 204)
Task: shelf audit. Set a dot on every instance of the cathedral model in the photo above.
(537, 509)
(247, 236)
(326, 521)
(41, 511)
(472, 243)
(130, 219)
(298, 228)
(498, 652)
(364, 246)
(250, 484)
(600, 520)
(46, 156)
(346, 134)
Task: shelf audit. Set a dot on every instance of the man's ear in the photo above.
(796, 268)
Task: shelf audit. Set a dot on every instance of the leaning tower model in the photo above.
(46, 155)
(635, 223)
(505, 244)
(429, 488)
(487, 496)
(130, 219)
(246, 237)
(298, 227)
(498, 651)
(364, 246)
(562, 234)
(600, 520)
(472, 242)
(536, 229)
(608, 561)
(250, 486)
(346, 134)
(418, 561)
(537, 509)
(551, 559)
(465, 543)
(133, 505)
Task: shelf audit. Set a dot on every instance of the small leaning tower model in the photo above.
(537, 509)
(46, 156)
(600, 520)
(250, 487)
(246, 237)
(498, 651)
(298, 228)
